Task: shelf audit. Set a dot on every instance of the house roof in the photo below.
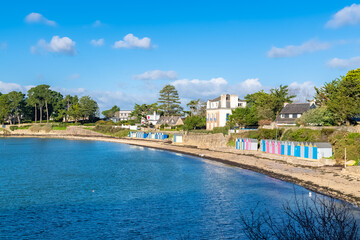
(170, 120)
(323, 145)
(296, 108)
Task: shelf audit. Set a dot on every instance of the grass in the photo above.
(62, 128)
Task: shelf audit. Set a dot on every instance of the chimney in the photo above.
(223, 101)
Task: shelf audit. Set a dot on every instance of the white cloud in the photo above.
(8, 87)
(62, 45)
(344, 63)
(73, 77)
(97, 43)
(156, 74)
(349, 15)
(200, 88)
(130, 41)
(291, 50)
(38, 18)
(303, 91)
(97, 23)
(251, 85)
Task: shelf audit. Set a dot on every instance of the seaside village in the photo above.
(218, 111)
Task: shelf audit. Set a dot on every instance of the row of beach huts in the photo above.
(177, 137)
(287, 148)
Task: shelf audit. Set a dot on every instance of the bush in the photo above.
(223, 130)
(58, 127)
(13, 128)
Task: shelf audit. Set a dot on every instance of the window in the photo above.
(290, 115)
(286, 115)
(240, 104)
(282, 115)
(215, 116)
(227, 116)
(212, 116)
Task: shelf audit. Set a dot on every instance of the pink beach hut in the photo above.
(267, 146)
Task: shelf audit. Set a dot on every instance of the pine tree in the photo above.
(169, 101)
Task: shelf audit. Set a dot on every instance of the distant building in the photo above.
(170, 120)
(152, 119)
(219, 109)
(292, 111)
(122, 115)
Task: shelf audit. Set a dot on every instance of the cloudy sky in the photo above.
(124, 52)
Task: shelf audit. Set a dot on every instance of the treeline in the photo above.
(41, 103)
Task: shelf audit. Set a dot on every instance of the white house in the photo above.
(219, 109)
(152, 119)
(123, 115)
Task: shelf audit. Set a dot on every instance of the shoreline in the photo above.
(324, 180)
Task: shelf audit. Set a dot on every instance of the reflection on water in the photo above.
(64, 189)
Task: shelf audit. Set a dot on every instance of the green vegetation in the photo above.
(58, 127)
(341, 97)
(111, 131)
(111, 112)
(194, 122)
(169, 101)
(42, 103)
(320, 116)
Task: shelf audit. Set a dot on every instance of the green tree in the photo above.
(17, 104)
(111, 112)
(88, 107)
(74, 112)
(69, 101)
(169, 101)
(140, 111)
(281, 96)
(5, 109)
(193, 105)
(194, 122)
(320, 116)
(341, 97)
(243, 116)
(42, 96)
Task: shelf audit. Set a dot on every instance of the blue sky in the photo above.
(124, 52)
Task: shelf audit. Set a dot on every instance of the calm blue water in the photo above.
(62, 189)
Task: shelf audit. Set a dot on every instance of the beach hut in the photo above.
(267, 146)
(314, 152)
(311, 151)
(272, 146)
(178, 138)
(324, 150)
(306, 150)
(302, 150)
(253, 143)
(283, 148)
(292, 148)
(262, 145)
(247, 144)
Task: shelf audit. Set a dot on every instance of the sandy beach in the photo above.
(328, 180)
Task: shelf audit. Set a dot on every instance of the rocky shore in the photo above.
(315, 176)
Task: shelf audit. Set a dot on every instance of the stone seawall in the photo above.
(210, 141)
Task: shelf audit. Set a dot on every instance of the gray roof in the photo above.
(323, 145)
(296, 108)
(170, 120)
